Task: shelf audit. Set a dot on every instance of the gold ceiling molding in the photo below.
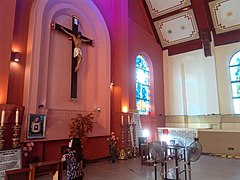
(177, 29)
(225, 15)
(160, 7)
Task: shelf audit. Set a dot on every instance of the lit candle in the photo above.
(2, 118)
(16, 118)
(122, 119)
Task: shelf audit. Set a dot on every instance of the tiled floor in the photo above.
(206, 168)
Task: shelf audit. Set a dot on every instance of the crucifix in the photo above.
(77, 39)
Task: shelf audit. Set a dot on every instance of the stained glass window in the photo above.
(235, 81)
(142, 86)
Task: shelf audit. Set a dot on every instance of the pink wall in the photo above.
(141, 39)
(116, 16)
(7, 13)
(130, 33)
(150, 47)
(14, 36)
(19, 44)
(137, 14)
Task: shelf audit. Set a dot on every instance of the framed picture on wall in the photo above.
(36, 126)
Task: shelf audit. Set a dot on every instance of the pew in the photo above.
(36, 169)
(19, 174)
(41, 168)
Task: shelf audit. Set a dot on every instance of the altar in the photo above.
(179, 136)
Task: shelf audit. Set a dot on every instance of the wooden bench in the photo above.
(19, 174)
(41, 168)
(54, 168)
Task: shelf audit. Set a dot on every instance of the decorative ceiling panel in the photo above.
(177, 29)
(160, 7)
(225, 15)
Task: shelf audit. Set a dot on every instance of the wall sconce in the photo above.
(111, 83)
(16, 56)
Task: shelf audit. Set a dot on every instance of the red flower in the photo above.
(113, 145)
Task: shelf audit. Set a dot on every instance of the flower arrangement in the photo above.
(113, 151)
(27, 148)
(80, 126)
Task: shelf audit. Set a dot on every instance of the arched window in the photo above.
(235, 81)
(142, 85)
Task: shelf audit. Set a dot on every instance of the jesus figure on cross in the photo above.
(77, 40)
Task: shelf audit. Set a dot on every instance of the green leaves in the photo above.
(80, 126)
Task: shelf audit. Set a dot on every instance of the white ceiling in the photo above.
(176, 29)
(175, 20)
(225, 15)
(160, 7)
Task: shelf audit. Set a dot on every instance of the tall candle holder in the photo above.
(129, 150)
(122, 153)
(135, 149)
(2, 129)
(16, 136)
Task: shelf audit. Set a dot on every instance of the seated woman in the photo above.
(74, 159)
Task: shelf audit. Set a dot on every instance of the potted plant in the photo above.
(80, 126)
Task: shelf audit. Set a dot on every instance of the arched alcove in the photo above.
(48, 67)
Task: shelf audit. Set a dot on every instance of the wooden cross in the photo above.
(86, 40)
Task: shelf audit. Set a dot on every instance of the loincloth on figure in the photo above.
(77, 51)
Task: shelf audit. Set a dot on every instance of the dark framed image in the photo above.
(36, 126)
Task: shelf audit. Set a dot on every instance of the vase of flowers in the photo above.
(27, 156)
(26, 149)
(113, 151)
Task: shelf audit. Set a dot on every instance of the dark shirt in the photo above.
(73, 167)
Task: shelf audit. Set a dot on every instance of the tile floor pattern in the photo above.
(206, 168)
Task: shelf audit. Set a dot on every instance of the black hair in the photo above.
(79, 34)
(76, 147)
